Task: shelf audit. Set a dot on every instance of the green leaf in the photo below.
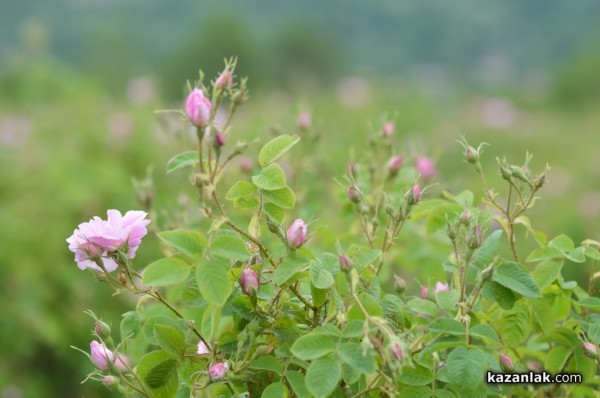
(275, 213)
(213, 281)
(466, 368)
(592, 253)
(417, 376)
(351, 354)
(423, 307)
(416, 392)
(447, 299)
(283, 197)
(369, 303)
(267, 363)
(276, 148)
(448, 326)
(547, 272)
(170, 339)
(487, 251)
(270, 178)
(210, 322)
(557, 358)
(484, 331)
(229, 246)
(186, 242)
(593, 332)
(495, 292)
(577, 255)
(319, 276)
(298, 383)
(276, 390)
(287, 269)
(437, 218)
(545, 253)
(362, 256)
(516, 278)
(312, 346)
(246, 203)
(323, 376)
(130, 325)
(165, 272)
(240, 189)
(562, 243)
(515, 325)
(159, 370)
(184, 159)
(543, 314)
(590, 302)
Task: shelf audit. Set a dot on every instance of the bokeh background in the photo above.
(80, 81)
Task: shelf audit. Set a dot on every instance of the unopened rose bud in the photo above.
(202, 349)
(506, 363)
(590, 350)
(540, 181)
(351, 168)
(240, 148)
(534, 365)
(219, 139)
(110, 381)
(399, 284)
(197, 108)
(465, 216)
(414, 195)
(121, 278)
(441, 287)
(388, 129)
(471, 154)
(396, 351)
(345, 263)
(245, 164)
(225, 80)
(304, 120)
(102, 357)
(296, 234)
(487, 273)
(425, 167)
(354, 194)
(424, 292)
(218, 371)
(249, 282)
(506, 173)
(102, 329)
(394, 165)
(475, 240)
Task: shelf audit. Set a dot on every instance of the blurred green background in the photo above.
(80, 79)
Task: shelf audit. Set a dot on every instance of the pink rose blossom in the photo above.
(245, 164)
(424, 292)
(441, 287)
(102, 357)
(304, 120)
(394, 164)
(425, 167)
(296, 234)
(197, 108)
(95, 238)
(416, 192)
(218, 372)
(202, 348)
(224, 80)
(388, 129)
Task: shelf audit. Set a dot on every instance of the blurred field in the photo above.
(70, 144)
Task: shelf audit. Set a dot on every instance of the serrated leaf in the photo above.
(466, 368)
(287, 269)
(370, 304)
(312, 346)
(484, 331)
(362, 256)
(267, 362)
(592, 252)
(210, 322)
(283, 197)
(184, 159)
(246, 202)
(276, 390)
(188, 242)
(495, 292)
(543, 314)
(275, 213)
(590, 302)
(170, 339)
(323, 376)
(229, 246)
(130, 325)
(423, 307)
(545, 253)
(270, 178)
(577, 255)
(351, 354)
(447, 299)
(448, 326)
(320, 277)
(488, 249)
(159, 370)
(240, 189)
(563, 243)
(547, 272)
(516, 278)
(165, 272)
(593, 332)
(416, 392)
(213, 281)
(415, 376)
(557, 358)
(298, 384)
(515, 325)
(275, 148)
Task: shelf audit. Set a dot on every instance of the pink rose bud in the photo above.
(249, 282)
(102, 356)
(388, 129)
(304, 120)
(413, 195)
(218, 371)
(345, 263)
(245, 164)
(396, 351)
(296, 234)
(465, 216)
(351, 168)
(425, 167)
(224, 80)
(394, 164)
(424, 292)
(110, 382)
(219, 139)
(590, 350)
(476, 238)
(202, 348)
(534, 365)
(102, 329)
(354, 194)
(399, 284)
(441, 287)
(471, 154)
(506, 363)
(197, 108)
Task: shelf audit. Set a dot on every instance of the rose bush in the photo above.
(247, 303)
